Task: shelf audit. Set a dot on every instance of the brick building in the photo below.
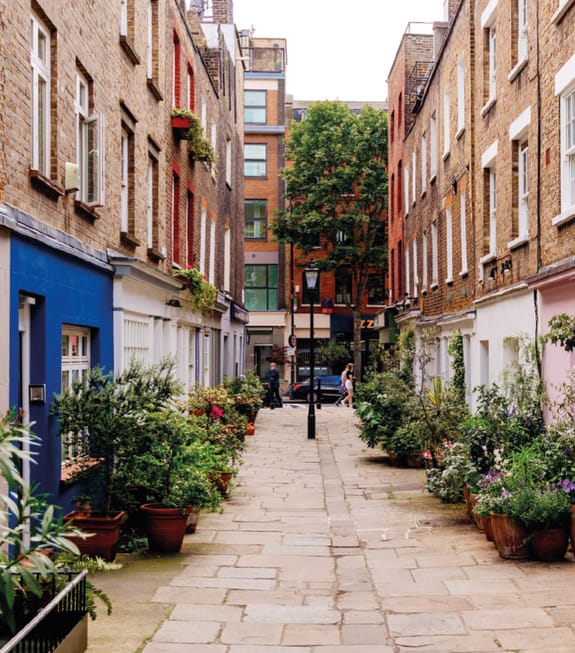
(266, 273)
(481, 196)
(100, 201)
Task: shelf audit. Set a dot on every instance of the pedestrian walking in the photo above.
(274, 386)
(343, 389)
(348, 399)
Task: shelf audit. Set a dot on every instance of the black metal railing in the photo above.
(43, 626)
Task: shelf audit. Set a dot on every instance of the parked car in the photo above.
(329, 389)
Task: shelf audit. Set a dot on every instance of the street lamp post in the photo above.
(312, 282)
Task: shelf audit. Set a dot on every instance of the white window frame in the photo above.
(463, 234)
(406, 189)
(415, 275)
(212, 269)
(449, 244)
(446, 121)
(203, 230)
(150, 207)
(492, 63)
(124, 17)
(74, 365)
(492, 211)
(41, 90)
(565, 89)
(460, 96)
(150, 42)
(124, 179)
(229, 161)
(523, 190)
(423, 163)
(434, 256)
(227, 259)
(433, 154)
(407, 272)
(522, 24)
(89, 147)
(414, 176)
(424, 270)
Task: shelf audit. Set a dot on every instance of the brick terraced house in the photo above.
(100, 200)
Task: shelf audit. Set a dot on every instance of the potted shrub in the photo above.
(247, 393)
(102, 415)
(172, 471)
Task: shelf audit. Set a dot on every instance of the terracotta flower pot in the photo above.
(192, 520)
(510, 537)
(105, 532)
(550, 544)
(165, 527)
(486, 527)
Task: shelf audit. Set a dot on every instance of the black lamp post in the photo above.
(312, 283)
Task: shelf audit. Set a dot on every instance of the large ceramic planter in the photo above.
(165, 527)
(105, 533)
(485, 523)
(550, 545)
(510, 537)
(192, 520)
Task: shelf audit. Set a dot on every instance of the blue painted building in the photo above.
(60, 324)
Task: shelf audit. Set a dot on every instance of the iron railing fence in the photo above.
(42, 628)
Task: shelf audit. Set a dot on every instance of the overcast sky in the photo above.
(337, 49)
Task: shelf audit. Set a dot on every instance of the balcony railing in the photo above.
(43, 629)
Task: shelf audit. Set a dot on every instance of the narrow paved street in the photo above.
(324, 548)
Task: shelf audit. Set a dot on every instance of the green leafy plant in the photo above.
(455, 350)
(25, 561)
(199, 147)
(201, 294)
(455, 472)
(562, 331)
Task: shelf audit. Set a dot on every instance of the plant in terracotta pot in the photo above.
(247, 393)
(173, 470)
(100, 419)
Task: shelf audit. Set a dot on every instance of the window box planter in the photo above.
(180, 126)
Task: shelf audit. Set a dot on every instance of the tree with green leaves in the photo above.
(336, 192)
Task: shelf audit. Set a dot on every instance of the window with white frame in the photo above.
(460, 95)
(41, 83)
(124, 17)
(152, 55)
(227, 259)
(152, 209)
(228, 161)
(74, 365)
(212, 270)
(446, 121)
(434, 255)
(89, 145)
(522, 30)
(406, 189)
(424, 270)
(492, 211)
(523, 190)
(492, 63)
(414, 176)
(203, 234)
(423, 162)
(448, 245)
(433, 153)
(191, 90)
(137, 338)
(124, 179)
(407, 271)
(463, 234)
(568, 152)
(415, 274)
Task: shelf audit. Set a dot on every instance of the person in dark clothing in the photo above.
(274, 386)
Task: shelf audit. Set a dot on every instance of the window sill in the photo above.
(155, 88)
(449, 281)
(128, 47)
(488, 106)
(85, 210)
(129, 238)
(433, 178)
(434, 285)
(72, 470)
(464, 273)
(517, 69)
(487, 258)
(564, 217)
(518, 242)
(560, 13)
(460, 133)
(446, 155)
(45, 186)
(155, 255)
(423, 193)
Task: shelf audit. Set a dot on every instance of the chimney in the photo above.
(439, 33)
